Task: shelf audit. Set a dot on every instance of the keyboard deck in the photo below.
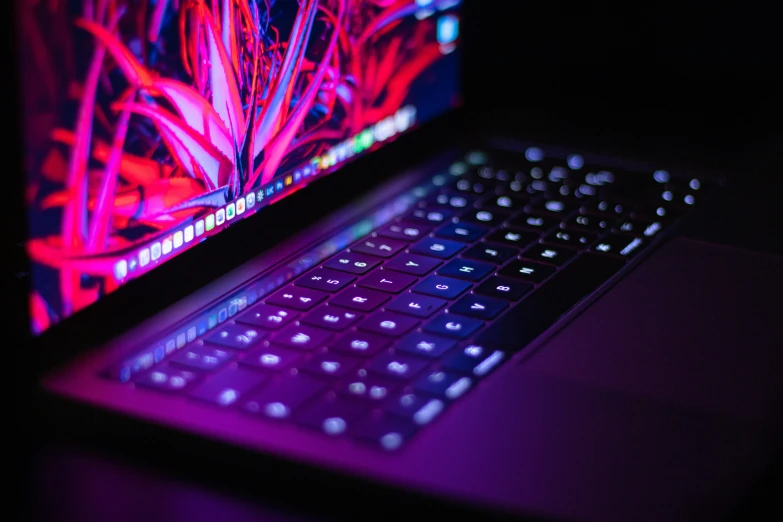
(379, 339)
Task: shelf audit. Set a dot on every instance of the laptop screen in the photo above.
(151, 125)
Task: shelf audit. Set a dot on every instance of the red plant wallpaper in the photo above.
(142, 115)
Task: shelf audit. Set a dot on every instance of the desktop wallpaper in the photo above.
(151, 124)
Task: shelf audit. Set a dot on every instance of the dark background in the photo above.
(656, 66)
(700, 80)
(699, 83)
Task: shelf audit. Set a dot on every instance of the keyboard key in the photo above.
(368, 385)
(638, 227)
(475, 360)
(554, 255)
(444, 287)
(603, 208)
(202, 357)
(389, 323)
(508, 202)
(652, 229)
(378, 246)
(332, 364)
(453, 326)
(425, 345)
(432, 216)
(416, 304)
(478, 306)
(538, 186)
(532, 222)
(467, 232)
(352, 262)
(418, 406)
(594, 224)
(466, 269)
(412, 264)
(491, 253)
(267, 316)
(397, 365)
(444, 384)
(527, 271)
(504, 288)
(516, 238)
(454, 201)
(389, 432)
(623, 246)
(238, 336)
(405, 231)
(297, 298)
(435, 247)
(387, 281)
(552, 207)
(361, 343)
(281, 398)
(474, 187)
(663, 213)
(273, 358)
(531, 317)
(361, 299)
(332, 415)
(331, 318)
(485, 216)
(570, 239)
(325, 280)
(168, 379)
(228, 385)
(301, 337)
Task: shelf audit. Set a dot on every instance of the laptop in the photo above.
(239, 233)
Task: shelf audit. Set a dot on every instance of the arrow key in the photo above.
(478, 306)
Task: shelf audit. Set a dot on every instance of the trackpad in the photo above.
(696, 323)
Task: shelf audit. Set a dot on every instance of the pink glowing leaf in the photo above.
(74, 220)
(399, 10)
(283, 140)
(41, 314)
(197, 156)
(102, 214)
(197, 113)
(270, 122)
(133, 70)
(157, 19)
(225, 93)
(160, 198)
(228, 19)
(134, 169)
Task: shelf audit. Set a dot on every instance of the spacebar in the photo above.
(550, 302)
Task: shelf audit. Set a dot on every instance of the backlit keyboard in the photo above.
(376, 341)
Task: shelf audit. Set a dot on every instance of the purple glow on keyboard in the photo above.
(194, 327)
(376, 341)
